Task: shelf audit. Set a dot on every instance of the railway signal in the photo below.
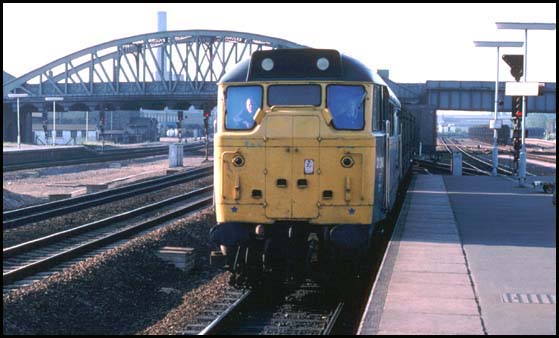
(179, 124)
(45, 126)
(497, 44)
(516, 111)
(518, 72)
(101, 118)
(516, 114)
(206, 121)
(45, 129)
(102, 129)
(516, 65)
(515, 62)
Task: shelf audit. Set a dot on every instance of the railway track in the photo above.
(105, 156)
(502, 169)
(29, 261)
(306, 309)
(468, 168)
(439, 167)
(23, 216)
(211, 319)
(474, 165)
(542, 158)
(531, 152)
(478, 164)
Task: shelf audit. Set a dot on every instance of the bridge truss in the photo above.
(179, 64)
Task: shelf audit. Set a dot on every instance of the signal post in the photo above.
(525, 27)
(495, 125)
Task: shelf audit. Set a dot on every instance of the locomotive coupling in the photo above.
(312, 239)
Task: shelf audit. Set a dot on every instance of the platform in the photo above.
(469, 255)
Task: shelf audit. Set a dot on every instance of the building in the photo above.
(66, 134)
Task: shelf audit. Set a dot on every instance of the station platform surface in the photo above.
(469, 255)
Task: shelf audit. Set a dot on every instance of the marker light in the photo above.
(267, 64)
(347, 162)
(322, 63)
(238, 161)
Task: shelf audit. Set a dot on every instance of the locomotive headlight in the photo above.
(238, 161)
(267, 64)
(347, 161)
(259, 231)
(322, 63)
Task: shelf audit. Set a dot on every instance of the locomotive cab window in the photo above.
(346, 104)
(294, 95)
(241, 104)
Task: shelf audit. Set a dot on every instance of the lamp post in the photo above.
(525, 27)
(17, 96)
(497, 44)
(54, 99)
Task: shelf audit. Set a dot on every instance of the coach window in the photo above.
(294, 95)
(346, 104)
(241, 104)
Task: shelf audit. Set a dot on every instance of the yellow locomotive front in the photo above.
(290, 163)
(294, 159)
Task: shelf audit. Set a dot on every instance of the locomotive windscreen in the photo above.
(285, 64)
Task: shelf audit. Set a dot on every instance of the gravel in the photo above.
(43, 228)
(127, 290)
(11, 200)
(40, 183)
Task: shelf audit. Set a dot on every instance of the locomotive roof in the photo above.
(302, 64)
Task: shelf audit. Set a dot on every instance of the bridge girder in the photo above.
(182, 64)
(470, 96)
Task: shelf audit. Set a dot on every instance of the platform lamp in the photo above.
(17, 96)
(524, 26)
(54, 99)
(497, 44)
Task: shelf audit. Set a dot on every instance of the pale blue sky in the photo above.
(416, 42)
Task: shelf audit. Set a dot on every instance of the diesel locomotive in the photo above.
(310, 149)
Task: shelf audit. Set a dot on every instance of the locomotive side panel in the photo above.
(379, 208)
(393, 169)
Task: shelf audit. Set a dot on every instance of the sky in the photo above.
(416, 42)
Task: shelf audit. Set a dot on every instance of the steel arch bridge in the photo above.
(183, 65)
